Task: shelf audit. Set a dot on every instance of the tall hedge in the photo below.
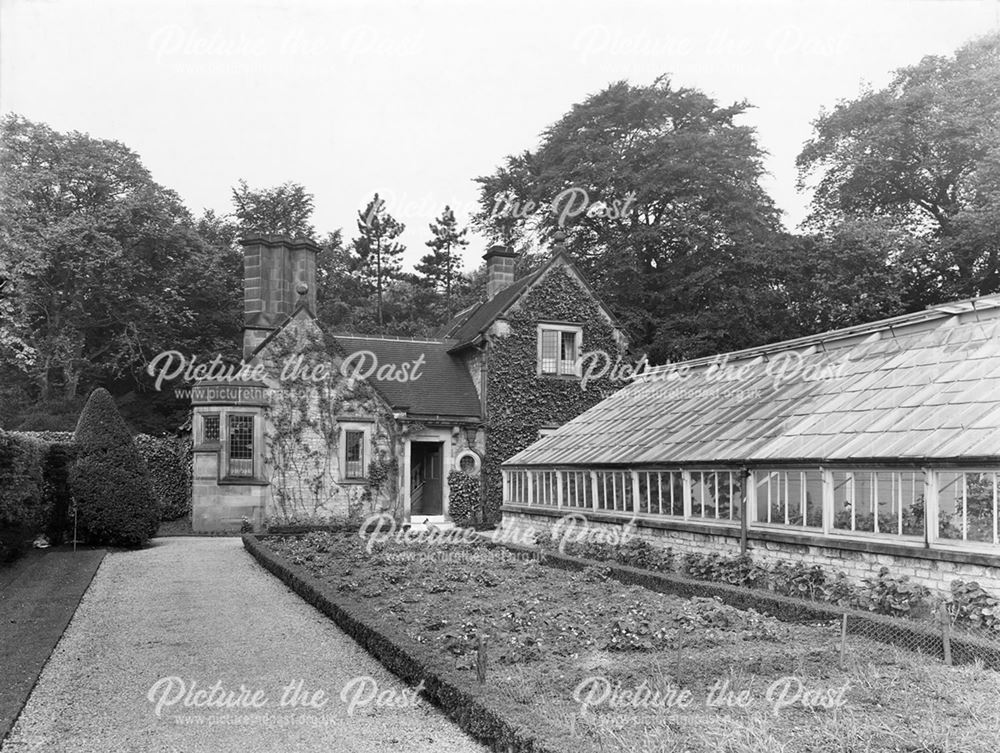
(169, 462)
(22, 509)
(115, 499)
(34, 494)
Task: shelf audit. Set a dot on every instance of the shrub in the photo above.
(463, 497)
(21, 499)
(34, 494)
(168, 460)
(57, 495)
(115, 499)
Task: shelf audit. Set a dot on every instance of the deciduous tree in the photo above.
(921, 156)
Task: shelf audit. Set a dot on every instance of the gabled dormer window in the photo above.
(559, 349)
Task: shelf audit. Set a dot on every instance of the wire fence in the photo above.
(939, 634)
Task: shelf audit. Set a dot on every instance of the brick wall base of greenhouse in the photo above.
(858, 559)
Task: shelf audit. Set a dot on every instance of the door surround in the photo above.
(444, 436)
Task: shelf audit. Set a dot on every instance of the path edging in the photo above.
(470, 711)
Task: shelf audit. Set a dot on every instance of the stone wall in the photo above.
(223, 506)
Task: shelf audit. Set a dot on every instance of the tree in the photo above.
(921, 157)
(846, 275)
(281, 210)
(441, 265)
(109, 479)
(378, 250)
(657, 189)
(106, 267)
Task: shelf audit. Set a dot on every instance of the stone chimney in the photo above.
(279, 273)
(499, 269)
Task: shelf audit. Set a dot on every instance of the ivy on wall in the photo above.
(463, 497)
(519, 402)
(303, 434)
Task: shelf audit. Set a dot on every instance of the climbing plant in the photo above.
(303, 446)
(519, 401)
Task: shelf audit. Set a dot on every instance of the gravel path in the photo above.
(200, 610)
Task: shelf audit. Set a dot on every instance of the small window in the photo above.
(210, 428)
(469, 462)
(241, 446)
(354, 454)
(559, 350)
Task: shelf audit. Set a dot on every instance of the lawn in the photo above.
(588, 664)
(38, 595)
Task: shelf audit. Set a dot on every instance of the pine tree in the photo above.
(442, 264)
(377, 248)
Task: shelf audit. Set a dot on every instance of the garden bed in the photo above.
(556, 638)
(925, 636)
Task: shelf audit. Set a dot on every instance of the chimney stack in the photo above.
(499, 269)
(276, 269)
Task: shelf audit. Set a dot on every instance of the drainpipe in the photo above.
(745, 517)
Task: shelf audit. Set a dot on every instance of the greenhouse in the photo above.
(875, 445)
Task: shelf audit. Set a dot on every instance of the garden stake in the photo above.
(480, 658)
(945, 633)
(843, 639)
(680, 644)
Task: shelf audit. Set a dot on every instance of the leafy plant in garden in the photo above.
(838, 590)
(797, 579)
(895, 596)
(114, 495)
(972, 605)
(737, 571)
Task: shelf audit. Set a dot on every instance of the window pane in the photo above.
(792, 498)
(550, 350)
(210, 428)
(979, 492)
(884, 502)
(567, 353)
(241, 446)
(967, 505)
(354, 454)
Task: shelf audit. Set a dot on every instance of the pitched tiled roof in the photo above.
(907, 389)
(466, 326)
(443, 388)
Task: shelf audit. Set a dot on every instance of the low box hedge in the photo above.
(449, 690)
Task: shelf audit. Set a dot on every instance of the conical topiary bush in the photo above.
(110, 481)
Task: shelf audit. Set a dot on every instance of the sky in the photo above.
(415, 98)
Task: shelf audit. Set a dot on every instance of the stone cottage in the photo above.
(321, 425)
